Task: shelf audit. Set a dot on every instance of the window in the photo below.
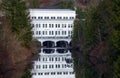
(52, 33)
(40, 17)
(52, 59)
(40, 74)
(33, 32)
(64, 73)
(36, 32)
(65, 65)
(62, 32)
(52, 17)
(68, 32)
(58, 25)
(43, 59)
(47, 73)
(38, 59)
(39, 25)
(65, 25)
(33, 73)
(55, 32)
(58, 32)
(49, 66)
(46, 66)
(43, 32)
(71, 32)
(39, 66)
(43, 25)
(59, 73)
(68, 25)
(46, 17)
(58, 66)
(66, 17)
(46, 32)
(63, 58)
(36, 66)
(52, 25)
(57, 17)
(71, 72)
(39, 32)
(65, 32)
(36, 25)
(49, 32)
(52, 73)
(62, 65)
(43, 66)
(56, 59)
(52, 66)
(33, 17)
(32, 25)
(71, 17)
(62, 25)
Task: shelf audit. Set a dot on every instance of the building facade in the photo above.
(53, 29)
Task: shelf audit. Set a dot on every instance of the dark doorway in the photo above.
(48, 44)
(48, 51)
(62, 44)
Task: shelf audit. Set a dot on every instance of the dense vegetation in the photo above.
(99, 41)
(16, 44)
(96, 39)
(19, 20)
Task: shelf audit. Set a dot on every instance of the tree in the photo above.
(34, 3)
(117, 68)
(67, 4)
(18, 16)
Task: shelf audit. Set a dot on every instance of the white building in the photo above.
(53, 28)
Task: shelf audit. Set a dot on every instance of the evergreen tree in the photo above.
(115, 38)
(34, 3)
(117, 68)
(67, 4)
(18, 16)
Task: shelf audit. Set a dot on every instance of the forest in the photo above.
(96, 33)
(97, 30)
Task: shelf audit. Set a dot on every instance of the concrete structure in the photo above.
(53, 28)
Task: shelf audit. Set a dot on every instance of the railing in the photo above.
(53, 37)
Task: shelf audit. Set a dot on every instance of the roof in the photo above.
(51, 9)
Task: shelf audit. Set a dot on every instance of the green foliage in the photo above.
(117, 68)
(102, 25)
(67, 4)
(18, 16)
(34, 3)
(27, 74)
(76, 30)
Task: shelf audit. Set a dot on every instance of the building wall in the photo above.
(53, 26)
(52, 23)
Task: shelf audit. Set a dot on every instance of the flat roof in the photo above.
(52, 9)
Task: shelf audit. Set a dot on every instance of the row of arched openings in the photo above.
(51, 44)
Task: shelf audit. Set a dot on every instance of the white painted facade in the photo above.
(53, 25)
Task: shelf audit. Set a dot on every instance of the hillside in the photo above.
(13, 57)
